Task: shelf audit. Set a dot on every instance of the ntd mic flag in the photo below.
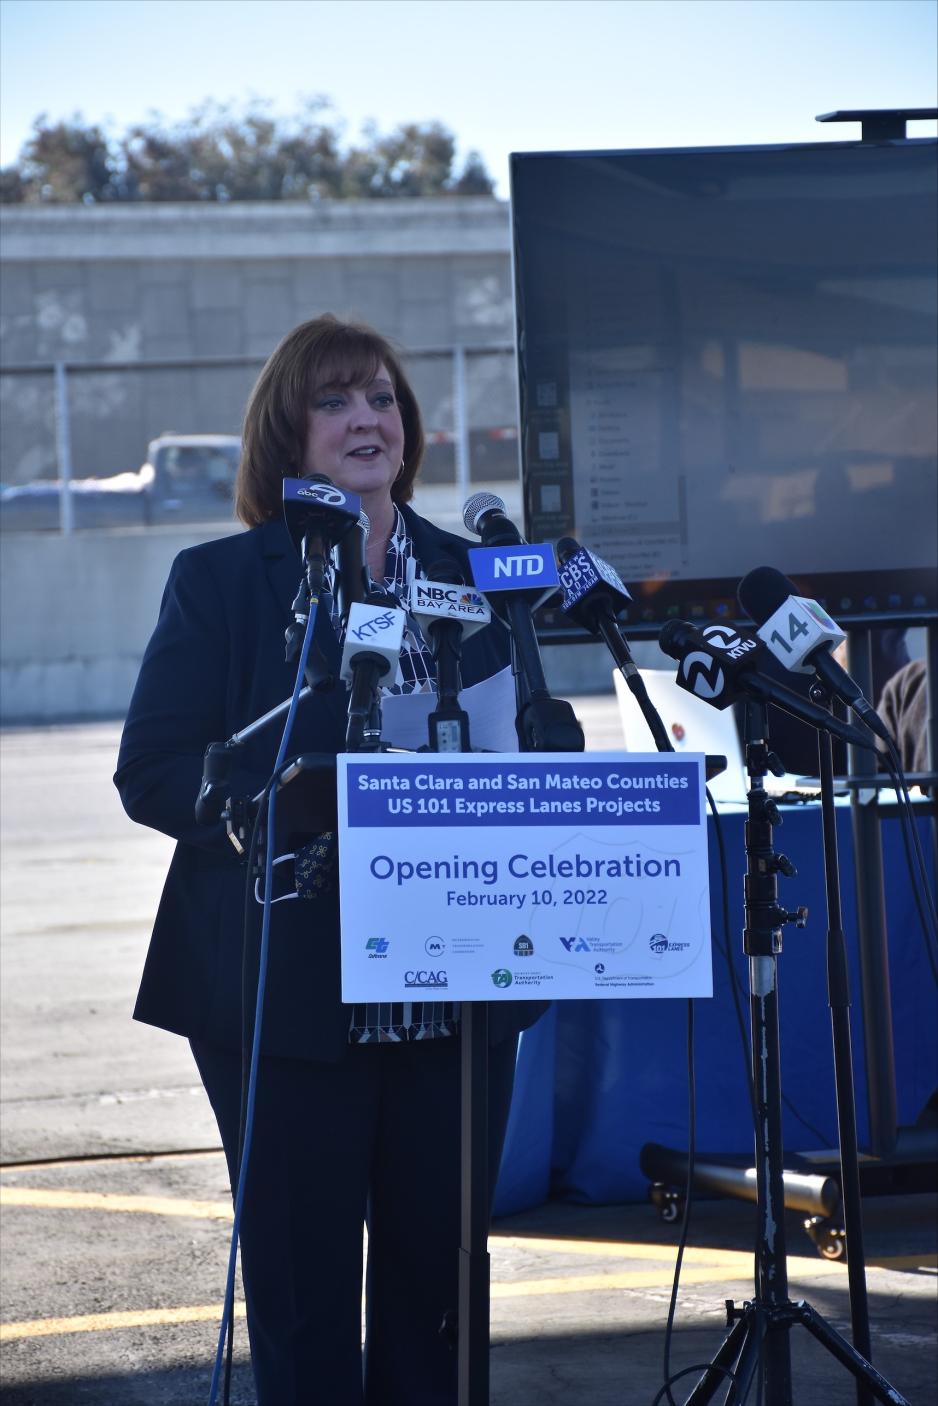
(513, 568)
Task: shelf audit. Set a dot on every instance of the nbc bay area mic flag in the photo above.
(487, 876)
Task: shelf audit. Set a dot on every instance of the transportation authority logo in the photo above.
(501, 977)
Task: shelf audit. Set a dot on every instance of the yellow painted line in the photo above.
(654, 1278)
(107, 1201)
(522, 1288)
(798, 1266)
(98, 1322)
(903, 1262)
(620, 1249)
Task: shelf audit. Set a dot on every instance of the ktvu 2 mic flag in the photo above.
(538, 876)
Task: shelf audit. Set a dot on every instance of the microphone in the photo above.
(593, 595)
(720, 663)
(373, 639)
(801, 635)
(522, 577)
(486, 516)
(448, 612)
(354, 582)
(317, 515)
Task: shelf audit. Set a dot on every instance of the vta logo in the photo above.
(576, 944)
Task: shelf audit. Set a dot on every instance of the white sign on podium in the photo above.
(539, 876)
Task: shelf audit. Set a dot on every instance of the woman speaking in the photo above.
(357, 1107)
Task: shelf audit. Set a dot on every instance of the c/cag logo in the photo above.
(426, 978)
(501, 977)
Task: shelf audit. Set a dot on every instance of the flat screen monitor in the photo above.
(728, 358)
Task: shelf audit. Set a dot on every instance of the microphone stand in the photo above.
(757, 1339)
(469, 1334)
(543, 724)
(838, 999)
(618, 648)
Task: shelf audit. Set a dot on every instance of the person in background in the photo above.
(903, 707)
(357, 1108)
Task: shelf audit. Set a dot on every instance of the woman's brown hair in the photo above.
(322, 352)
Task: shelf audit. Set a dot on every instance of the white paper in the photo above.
(490, 705)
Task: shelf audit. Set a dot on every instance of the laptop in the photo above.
(691, 725)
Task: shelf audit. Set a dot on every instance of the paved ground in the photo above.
(114, 1197)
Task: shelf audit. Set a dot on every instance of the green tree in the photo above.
(219, 154)
(66, 162)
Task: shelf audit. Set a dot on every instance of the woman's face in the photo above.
(355, 436)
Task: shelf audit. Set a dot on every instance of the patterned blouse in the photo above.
(397, 1021)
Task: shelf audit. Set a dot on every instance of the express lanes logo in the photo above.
(660, 944)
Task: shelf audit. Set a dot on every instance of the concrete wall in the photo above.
(76, 613)
(112, 289)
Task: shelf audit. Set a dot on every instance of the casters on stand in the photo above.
(828, 1237)
(668, 1200)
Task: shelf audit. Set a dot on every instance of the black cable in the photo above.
(246, 1039)
(906, 808)
(688, 1201)
(735, 981)
(911, 844)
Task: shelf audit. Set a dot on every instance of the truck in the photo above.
(185, 478)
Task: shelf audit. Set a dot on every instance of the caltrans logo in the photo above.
(501, 977)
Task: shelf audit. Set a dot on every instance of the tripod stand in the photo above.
(757, 1340)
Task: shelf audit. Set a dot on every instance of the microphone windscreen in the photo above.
(674, 637)
(762, 591)
(448, 571)
(477, 506)
(567, 547)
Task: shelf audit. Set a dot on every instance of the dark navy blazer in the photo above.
(214, 664)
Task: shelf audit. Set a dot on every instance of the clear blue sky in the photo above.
(504, 75)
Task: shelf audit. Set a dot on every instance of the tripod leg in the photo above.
(750, 1357)
(845, 1353)
(731, 1347)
